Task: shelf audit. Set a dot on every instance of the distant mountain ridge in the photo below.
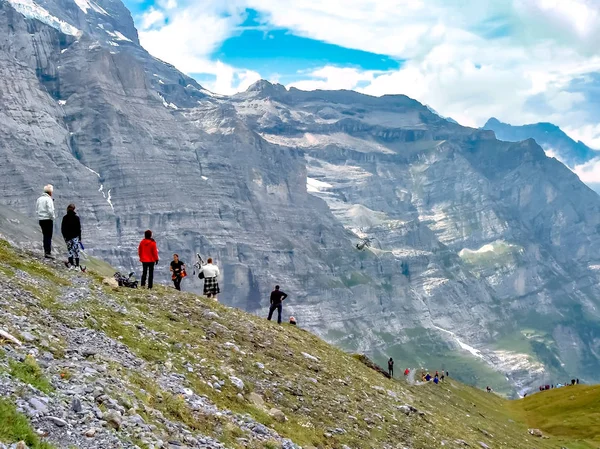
(550, 137)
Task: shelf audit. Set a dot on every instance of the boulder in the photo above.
(536, 433)
(277, 415)
(256, 399)
(111, 282)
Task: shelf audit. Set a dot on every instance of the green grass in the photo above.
(14, 427)
(30, 373)
(165, 327)
(568, 412)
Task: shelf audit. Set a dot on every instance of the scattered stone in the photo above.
(6, 336)
(28, 337)
(114, 420)
(21, 445)
(486, 433)
(310, 357)
(239, 383)
(462, 443)
(111, 282)
(91, 432)
(483, 445)
(256, 399)
(407, 409)
(57, 421)
(76, 405)
(277, 415)
(536, 433)
(38, 405)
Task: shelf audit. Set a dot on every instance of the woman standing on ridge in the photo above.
(148, 253)
(211, 285)
(71, 232)
(177, 271)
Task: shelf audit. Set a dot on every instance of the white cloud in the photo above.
(151, 18)
(589, 172)
(331, 77)
(470, 60)
(586, 133)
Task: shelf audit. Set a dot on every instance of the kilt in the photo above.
(211, 286)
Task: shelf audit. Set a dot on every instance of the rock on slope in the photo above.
(486, 252)
(109, 368)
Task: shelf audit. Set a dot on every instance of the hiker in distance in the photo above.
(210, 272)
(71, 232)
(391, 367)
(148, 253)
(44, 209)
(177, 271)
(277, 298)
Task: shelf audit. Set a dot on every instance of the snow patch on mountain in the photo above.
(32, 10)
(463, 345)
(86, 5)
(117, 35)
(342, 140)
(314, 185)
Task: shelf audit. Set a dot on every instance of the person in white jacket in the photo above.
(211, 285)
(44, 209)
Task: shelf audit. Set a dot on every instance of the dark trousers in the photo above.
(148, 272)
(391, 371)
(177, 282)
(47, 229)
(279, 308)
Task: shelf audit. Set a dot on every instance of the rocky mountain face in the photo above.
(550, 137)
(485, 255)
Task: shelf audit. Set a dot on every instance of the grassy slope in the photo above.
(170, 328)
(568, 412)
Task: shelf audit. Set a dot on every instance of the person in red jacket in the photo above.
(148, 253)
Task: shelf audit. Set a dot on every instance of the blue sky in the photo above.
(521, 61)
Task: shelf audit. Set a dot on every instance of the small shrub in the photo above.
(30, 373)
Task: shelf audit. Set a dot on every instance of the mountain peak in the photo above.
(267, 87)
(549, 136)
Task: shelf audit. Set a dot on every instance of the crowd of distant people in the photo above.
(558, 385)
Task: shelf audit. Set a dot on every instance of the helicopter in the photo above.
(364, 243)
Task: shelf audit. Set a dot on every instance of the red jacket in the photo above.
(148, 251)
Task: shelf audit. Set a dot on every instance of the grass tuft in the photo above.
(14, 427)
(30, 373)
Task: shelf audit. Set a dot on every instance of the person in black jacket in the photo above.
(71, 231)
(277, 298)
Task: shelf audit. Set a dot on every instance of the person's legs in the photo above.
(271, 310)
(279, 310)
(47, 228)
(150, 275)
(144, 273)
(177, 283)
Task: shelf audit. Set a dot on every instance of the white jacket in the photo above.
(44, 208)
(210, 270)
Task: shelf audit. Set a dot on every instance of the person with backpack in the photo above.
(210, 273)
(177, 271)
(391, 367)
(277, 298)
(44, 208)
(148, 253)
(71, 232)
